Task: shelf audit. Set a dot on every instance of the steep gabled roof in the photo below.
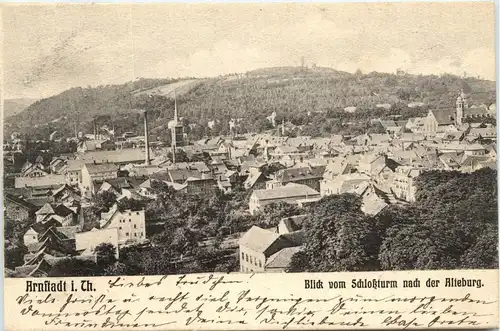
(444, 116)
(296, 237)
(258, 239)
(62, 210)
(20, 201)
(291, 174)
(35, 247)
(66, 232)
(46, 209)
(282, 258)
(252, 178)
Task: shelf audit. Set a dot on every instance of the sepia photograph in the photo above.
(173, 139)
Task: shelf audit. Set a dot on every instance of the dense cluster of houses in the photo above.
(381, 168)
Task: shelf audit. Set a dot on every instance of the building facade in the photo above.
(131, 224)
(96, 172)
(289, 193)
(403, 183)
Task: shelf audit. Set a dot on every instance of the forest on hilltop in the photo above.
(296, 94)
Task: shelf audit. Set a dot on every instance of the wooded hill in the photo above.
(15, 106)
(292, 92)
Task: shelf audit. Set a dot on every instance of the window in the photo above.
(135, 226)
(126, 234)
(260, 263)
(242, 255)
(137, 213)
(246, 257)
(120, 228)
(129, 220)
(135, 234)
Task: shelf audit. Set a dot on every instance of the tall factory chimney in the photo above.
(177, 130)
(146, 137)
(174, 138)
(95, 130)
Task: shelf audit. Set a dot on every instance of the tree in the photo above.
(14, 255)
(276, 211)
(122, 269)
(184, 241)
(483, 254)
(436, 232)
(91, 215)
(376, 128)
(418, 246)
(162, 190)
(231, 264)
(299, 263)
(338, 237)
(156, 260)
(75, 267)
(130, 204)
(180, 156)
(252, 99)
(104, 200)
(105, 254)
(262, 124)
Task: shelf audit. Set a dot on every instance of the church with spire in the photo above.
(447, 120)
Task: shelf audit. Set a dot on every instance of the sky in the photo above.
(47, 49)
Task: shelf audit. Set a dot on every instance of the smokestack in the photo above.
(95, 130)
(174, 128)
(146, 137)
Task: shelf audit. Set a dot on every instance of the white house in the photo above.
(263, 250)
(86, 242)
(403, 184)
(131, 224)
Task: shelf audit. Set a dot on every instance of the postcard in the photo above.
(249, 166)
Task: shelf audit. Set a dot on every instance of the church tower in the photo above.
(177, 130)
(461, 105)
